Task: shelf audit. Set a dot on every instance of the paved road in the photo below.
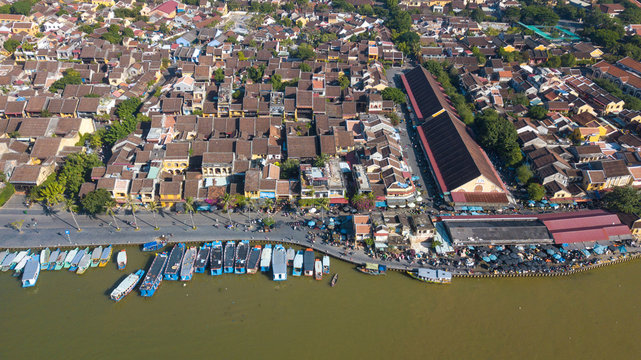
(48, 230)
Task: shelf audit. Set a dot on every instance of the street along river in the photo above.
(589, 315)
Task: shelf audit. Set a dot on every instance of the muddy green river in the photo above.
(593, 315)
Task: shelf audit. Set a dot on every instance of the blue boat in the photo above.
(242, 252)
(173, 263)
(154, 275)
(154, 245)
(216, 262)
(297, 269)
(228, 260)
(203, 258)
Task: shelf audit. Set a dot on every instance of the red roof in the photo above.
(167, 7)
(338, 201)
(584, 226)
(479, 197)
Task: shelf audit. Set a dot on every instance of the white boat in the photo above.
(84, 263)
(279, 263)
(291, 253)
(95, 256)
(20, 266)
(3, 255)
(298, 263)
(69, 258)
(266, 258)
(44, 258)
(31, 271)
(8, 260)
(53, 257)
(21, 255)
(326, 264)
(126, 285)
(318, 269)
(121, 259)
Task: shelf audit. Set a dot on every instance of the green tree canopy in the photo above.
(394, 94)
(537, 112)
(523, 173)
(96, 202)
(11, 45)
(626, 199)
(535, 191)
(289, 169)
(304, 52)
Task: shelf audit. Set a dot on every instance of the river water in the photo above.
(591, 315)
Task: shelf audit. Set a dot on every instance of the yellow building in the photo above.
(170, 192)
(25, 28)
(176, 159)
(107, 3)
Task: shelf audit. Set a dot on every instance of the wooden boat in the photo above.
(95, 256)
(373, 269)
(431, 276)
(105, 256)
(318, 269)
(334, 280)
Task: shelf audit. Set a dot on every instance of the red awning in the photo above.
(338, 201)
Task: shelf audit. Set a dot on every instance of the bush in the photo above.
(6, 193)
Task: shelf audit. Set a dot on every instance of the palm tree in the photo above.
(189, 207)
(153, 208)
(227, 201)
(323, 205)
(133, 207)
(111, 206)
(269, 204)
(51, 195)
(72, 208)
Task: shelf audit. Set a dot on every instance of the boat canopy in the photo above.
(371, 266)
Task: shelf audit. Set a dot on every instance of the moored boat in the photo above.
(8, 260)
(266, 258)
(31, 271)
(70, 256)
(21, 264)
(60, 263)
(279, 263)
(297, 270)
(230, 253)
(334, 280)
(202, 258)
(291, 253)
(121, 259)
(154, 275)
(373, 269)
(431, 276)
(242, 252)
(3, 254)
(173, 263)
(187, 266)
(45, 254)
(125, 286)
(95, 256)
(216, 262)
(76, 259)
(154, 245)
(85, 263)
(254, 259)
(326, 264)
(53, 259)
(21, 255)
(105, 256)
(318, 269)
(308, 262)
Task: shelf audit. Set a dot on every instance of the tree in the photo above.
(394, 94)
(227, 201)
(512, 14)
(409, 43)
(70, 76)
(520, 99)
(394, 119)
(289, 169)
(18, 225)
(21, 7)
(553, 61)
(71, 206)
(111, 206)
(132, 207)
(76, 170)
(478, 15)
(320, 160)
(568, 60)
(190, 208)
(96, 202)
(626, 199)
(498, 134)
(343, 81)
(268, 222)
(537, 112)
(219, 75)
(535, 191)
(538, 15)
(524, 174)
(305, 67)
(304, 52)
(51, 194)
(11, 45)
(256, 73)
(153, 208)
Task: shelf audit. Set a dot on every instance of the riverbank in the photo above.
(356, 257)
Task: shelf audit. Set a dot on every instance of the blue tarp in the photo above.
(493, 257)
(622, 249)
(585, 252)
(486, 258)
(311, 223)
(599, 249)
(381, 204)
(204, 208)
(550, 252)
(463, 208)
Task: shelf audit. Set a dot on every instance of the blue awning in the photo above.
(381, 204)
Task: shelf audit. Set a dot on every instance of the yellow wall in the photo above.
(481, 181)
